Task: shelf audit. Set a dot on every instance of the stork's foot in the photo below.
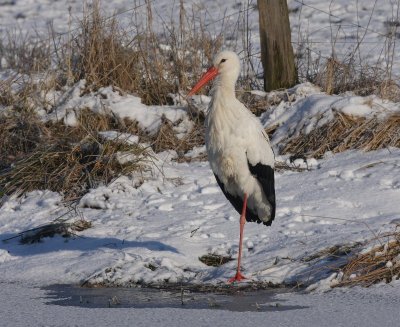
(237, 278)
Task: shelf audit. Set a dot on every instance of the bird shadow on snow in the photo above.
(58, 243)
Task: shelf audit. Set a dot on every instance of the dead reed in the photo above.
(25, 54)
(166, 138)
(337, 77)
(214, 260)
(380, 264)
(69, 160)
(138, 60)
(70, 169)
(20, 133)
(346, 132)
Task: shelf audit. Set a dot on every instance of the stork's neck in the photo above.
(224, 88)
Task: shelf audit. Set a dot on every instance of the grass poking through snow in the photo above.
(346, 132)
(215, 260)
(380, 264)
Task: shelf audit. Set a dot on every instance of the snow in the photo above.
(118, 136)
(313, 109)
(169, 217)
(330, 204)
(106, 100)
(315, 25)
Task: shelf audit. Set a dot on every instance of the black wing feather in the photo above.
(237, 203)
(266, 177)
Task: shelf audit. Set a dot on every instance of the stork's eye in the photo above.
(222, 60)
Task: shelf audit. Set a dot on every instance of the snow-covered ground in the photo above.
(156, 232)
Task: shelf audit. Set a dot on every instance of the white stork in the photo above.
(238, 148)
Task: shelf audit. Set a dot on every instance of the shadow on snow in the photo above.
(58, 243)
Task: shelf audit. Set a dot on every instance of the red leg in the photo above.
(238, 277)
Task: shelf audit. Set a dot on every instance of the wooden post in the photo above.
(276, 48)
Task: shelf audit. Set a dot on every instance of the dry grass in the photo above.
(69, 160)
(255, 103)
(166, 138)
(332, 253)
(23, 54)
(381, 264)
(70, 169)
(97, 54)
(132, 58)
(20, 133)
(137, 60)
(347, 67)
(215, 260)
(152, 66)
(337, 77)
(346, 132)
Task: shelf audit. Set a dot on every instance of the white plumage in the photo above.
(235, 138)
(238, 148)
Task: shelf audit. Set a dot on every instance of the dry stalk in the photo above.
(215, 260)
(69, 160)
(382, 263)
(347, 132)
(70, 169)
(166, 138)
(20, 133)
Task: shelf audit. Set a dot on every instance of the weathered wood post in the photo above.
(276, 48)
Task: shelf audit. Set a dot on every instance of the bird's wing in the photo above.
(265, 176)
(261, 162)
(237, 203)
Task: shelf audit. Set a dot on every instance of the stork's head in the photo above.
(226, 66)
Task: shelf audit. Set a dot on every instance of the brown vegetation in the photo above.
(347, 132)
(215, 260)
(153, 66)
(69, 160)
(380, 264)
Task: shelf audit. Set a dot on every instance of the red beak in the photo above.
(210, 74)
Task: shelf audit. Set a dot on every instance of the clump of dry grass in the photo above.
(69, 160)
(97, 54)
(64, 229)
(166, 138)
(25, 54)
(215, 260)
(69, 168)
(139, 61)
(20, 133)
(347, 132)
(133, 58)
(336, 77)
(89, 124)
(255, 103)
(381, 264)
